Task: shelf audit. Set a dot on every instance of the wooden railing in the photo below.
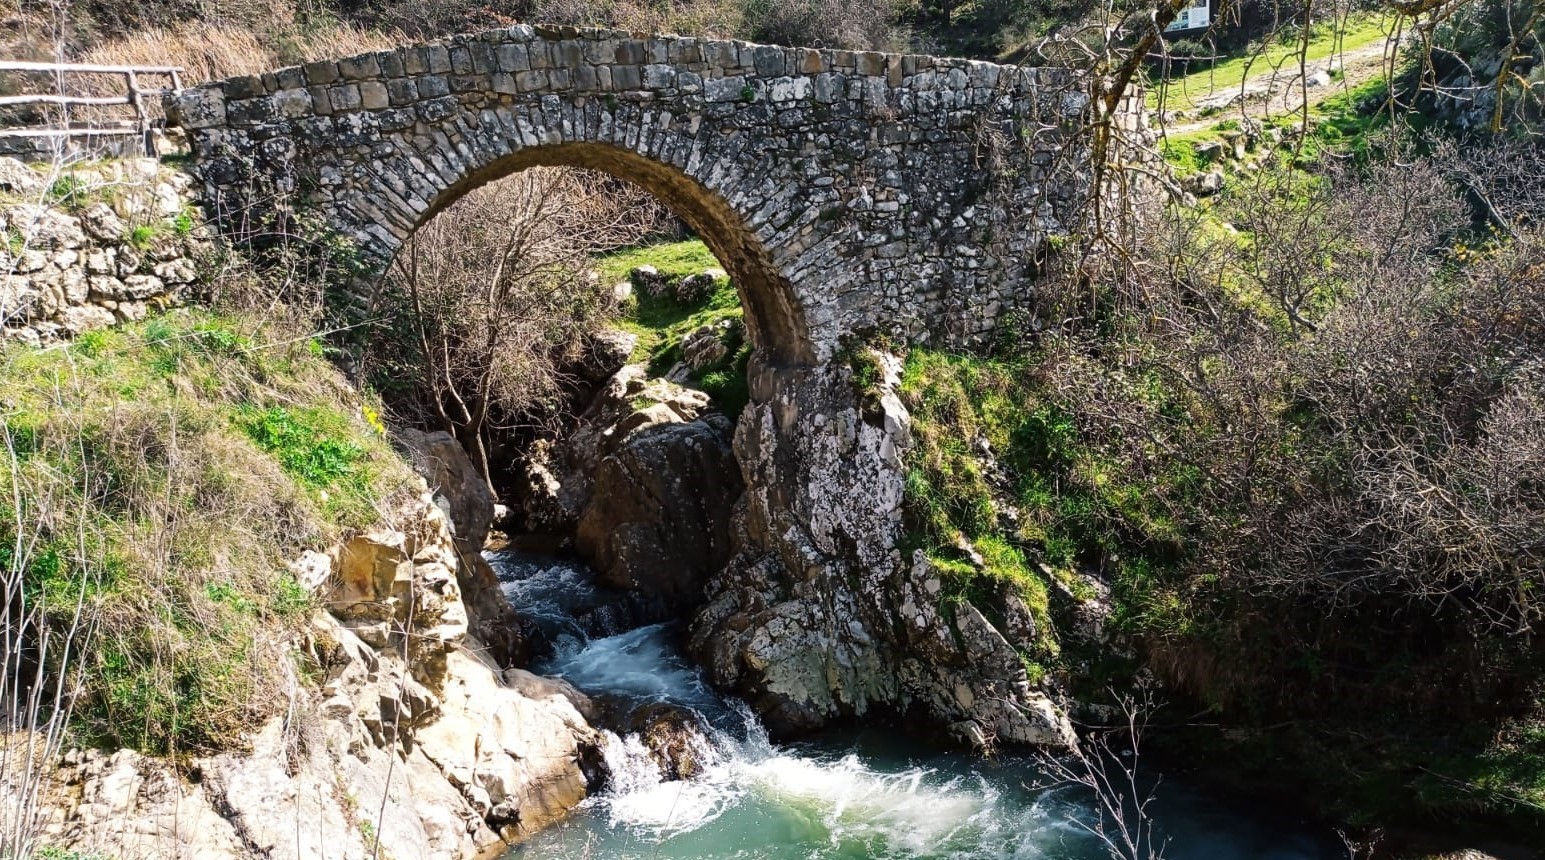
(133, 95)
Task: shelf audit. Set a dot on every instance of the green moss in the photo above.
(1180, 154)
(959, 403)
(1056, 505)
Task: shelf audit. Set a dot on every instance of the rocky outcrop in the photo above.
(111, 251)
(463, 496)
(406, 743)
(645, 483)
(819, 616)
(560, 474)
(458, 489)
(657, 523)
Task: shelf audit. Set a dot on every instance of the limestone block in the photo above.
(374, 95)
(102, 223)
(83, 318)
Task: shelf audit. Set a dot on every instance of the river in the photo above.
(868, 794)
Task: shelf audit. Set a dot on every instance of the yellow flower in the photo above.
(373, 418)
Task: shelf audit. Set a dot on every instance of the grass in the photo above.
(687, 257)
(1339, 124)
(161, 475)
(1185, 92)
(1001, 465)
(961, 405)
(661, 323)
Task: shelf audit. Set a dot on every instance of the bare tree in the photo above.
(490, 302)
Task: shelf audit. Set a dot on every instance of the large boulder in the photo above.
(658, 520)
(519, 761)
(454, 480)
(560, 475)
(398, 588)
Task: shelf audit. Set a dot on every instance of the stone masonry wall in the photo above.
(118, 242)
(846, 192)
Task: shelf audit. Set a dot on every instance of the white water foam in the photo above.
(841, 801)
(639, 664)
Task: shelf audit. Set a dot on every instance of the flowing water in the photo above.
(850, 796)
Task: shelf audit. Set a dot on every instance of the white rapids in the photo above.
(869, 795)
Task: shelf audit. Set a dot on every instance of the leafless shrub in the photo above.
(1330, 384)
(1106, 763)
(490, 301)
(869, 25)
(708, 18)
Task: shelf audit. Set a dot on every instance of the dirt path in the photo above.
(1281, 90)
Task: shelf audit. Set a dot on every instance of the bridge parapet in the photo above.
(847, 192)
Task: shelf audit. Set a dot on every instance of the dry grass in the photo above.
(215, 51)
(207, 51)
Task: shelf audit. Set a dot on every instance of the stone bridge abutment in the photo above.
(845, 192)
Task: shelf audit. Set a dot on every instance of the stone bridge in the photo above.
(846, 193)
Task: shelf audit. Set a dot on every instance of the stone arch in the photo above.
(774, 320)
(850, 193)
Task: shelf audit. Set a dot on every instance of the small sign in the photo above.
(1194, 17)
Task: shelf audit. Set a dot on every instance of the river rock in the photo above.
(674, 736)
(524, 755)
(538, 687)
(657, 523)
(559, 476)
(455, 482)
(607, 352)
(411, 745)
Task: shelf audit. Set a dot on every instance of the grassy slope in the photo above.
(1070, 505)
(162, 474)
(1184, 92)
(1337, 123)
(661, 322)
(1077, 509)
